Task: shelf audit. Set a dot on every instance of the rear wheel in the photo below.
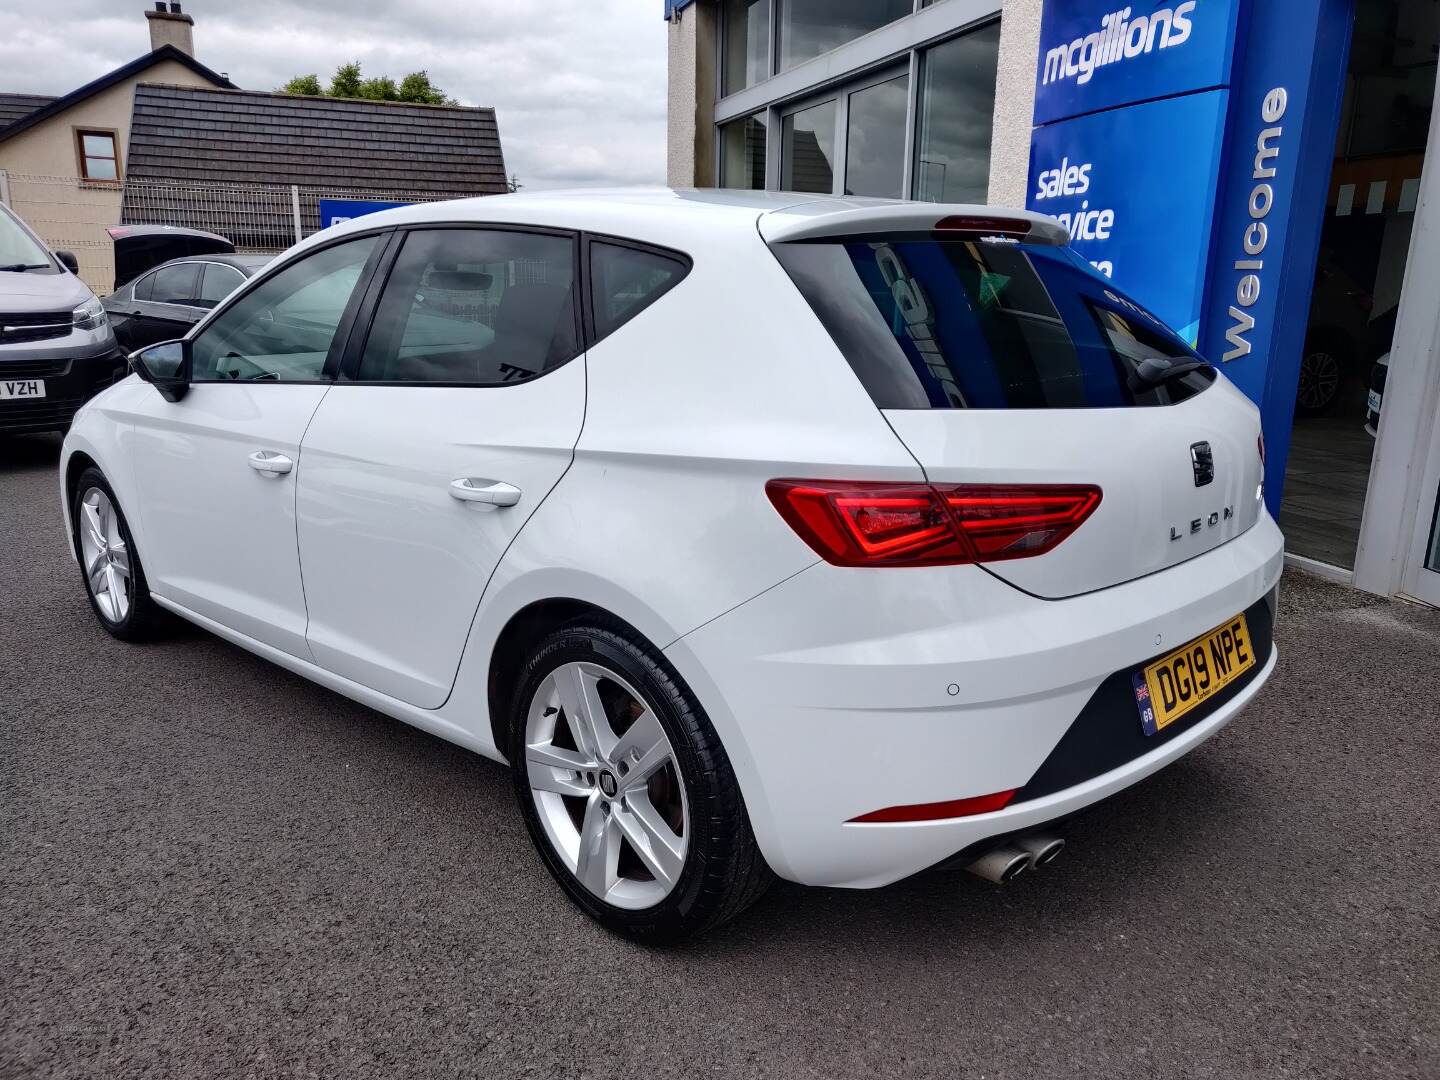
(109, 563)
(626, 790)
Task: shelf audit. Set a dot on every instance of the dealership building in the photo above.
(1250, 170)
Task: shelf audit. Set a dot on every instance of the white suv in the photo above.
(758, 532)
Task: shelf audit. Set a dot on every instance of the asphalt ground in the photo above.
(212, 868)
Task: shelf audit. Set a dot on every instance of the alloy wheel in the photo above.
(105, 557)
(607, 786)
(1319, 380)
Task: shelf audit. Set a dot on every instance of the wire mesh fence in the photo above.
(72, 215)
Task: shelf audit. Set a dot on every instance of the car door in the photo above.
(170, 309)
(216, 470)
(454, 416)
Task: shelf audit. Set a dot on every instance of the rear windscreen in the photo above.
(988, 324)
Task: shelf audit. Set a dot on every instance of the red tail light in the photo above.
(887, 524)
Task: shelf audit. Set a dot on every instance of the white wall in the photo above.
(1014, 102)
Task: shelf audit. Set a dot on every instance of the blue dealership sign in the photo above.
(1136, 189)
(334, 211)
(1186, 144)
(1273, 188)
(1097, 55)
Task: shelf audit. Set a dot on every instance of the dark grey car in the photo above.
(56, 346)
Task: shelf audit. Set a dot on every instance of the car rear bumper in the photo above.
(840, 692)
(71, 378)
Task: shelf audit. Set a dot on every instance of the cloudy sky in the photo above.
(578, 86)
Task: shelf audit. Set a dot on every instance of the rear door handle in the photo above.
(494, 492)
(269, 463)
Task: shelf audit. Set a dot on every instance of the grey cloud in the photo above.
(578, 85)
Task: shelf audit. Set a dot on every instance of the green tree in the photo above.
(346, 82)
(417, 87)
(306, 85)
(379, 88)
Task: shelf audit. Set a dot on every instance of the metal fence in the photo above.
(72, 215)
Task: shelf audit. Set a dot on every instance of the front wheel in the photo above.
(626, 790)
(109, 563)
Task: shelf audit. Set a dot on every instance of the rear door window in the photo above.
(988, 324)
(175, 284)
(474, 307)
(218, 282)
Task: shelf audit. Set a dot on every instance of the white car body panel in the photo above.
(642, 466)
(394, 566)
(1132, 532)
(220, 536)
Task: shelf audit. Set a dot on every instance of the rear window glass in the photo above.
(988, 324)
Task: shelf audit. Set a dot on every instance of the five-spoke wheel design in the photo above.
(105, 556)
(606, 785)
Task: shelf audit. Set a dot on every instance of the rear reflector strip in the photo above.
(937, 811)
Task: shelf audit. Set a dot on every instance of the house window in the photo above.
(99, 159)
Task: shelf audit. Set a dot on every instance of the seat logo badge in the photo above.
(1203, 462)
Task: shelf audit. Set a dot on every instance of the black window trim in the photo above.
(343, 329)
(359, 331)
(589, 238)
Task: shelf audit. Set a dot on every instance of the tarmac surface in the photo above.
(212, 868)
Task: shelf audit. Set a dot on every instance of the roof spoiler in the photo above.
(814, 221)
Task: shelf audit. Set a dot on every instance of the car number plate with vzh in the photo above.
(1195, 672)
(21, 388)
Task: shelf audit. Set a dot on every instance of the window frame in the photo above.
(113, 135)
(895, 47)
(588, 239)
(359, 331)
(344, 329)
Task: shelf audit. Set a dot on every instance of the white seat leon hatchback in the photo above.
(760, 534)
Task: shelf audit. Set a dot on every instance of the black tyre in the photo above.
(109, 564)
(625, 788)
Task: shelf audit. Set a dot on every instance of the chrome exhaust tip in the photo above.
(1042, 847)
(1001, 865)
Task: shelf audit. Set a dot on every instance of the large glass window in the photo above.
(875, 140)
(282, 331)
(811, 27)
(474, 307)
(742, 153)
(807, 149)
(957, 106)
(747, 44)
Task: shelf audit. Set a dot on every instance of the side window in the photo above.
(624, 281)
(143, 287)
(282, 330)
(474, 307)
(217, 281)
(175, 284)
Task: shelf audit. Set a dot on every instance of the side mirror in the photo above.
(68, 260)
(165, 366)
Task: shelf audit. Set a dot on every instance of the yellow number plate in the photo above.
(1169, 688)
